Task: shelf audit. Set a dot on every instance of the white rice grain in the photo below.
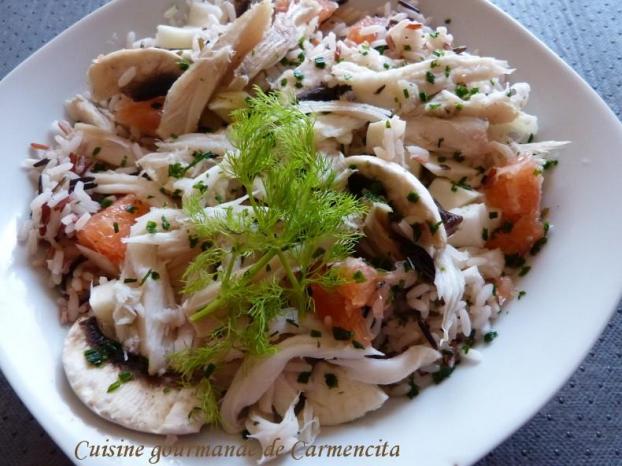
(82, 221)
(59, 170)
(55, 265)
(68, 219)
(127, 77)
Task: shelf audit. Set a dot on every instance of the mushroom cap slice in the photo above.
(138, 404)
(400, 185)
(149, 72)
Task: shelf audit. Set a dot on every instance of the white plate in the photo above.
(572, 289)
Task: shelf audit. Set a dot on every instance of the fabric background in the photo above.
(582, 424)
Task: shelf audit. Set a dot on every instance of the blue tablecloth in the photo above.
(582, 424)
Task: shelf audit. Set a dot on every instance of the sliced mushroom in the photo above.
(190, 94)
(406, 193)
(139, 404)
(139, 73)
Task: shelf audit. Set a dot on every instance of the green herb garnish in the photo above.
(550, 164)
(304, 377)
(413, 197)
(320, 62)
(443, 373)
(95, 357)
(359, 277)
(301, 212)
(184, 64)
(124, 377)
(464, 92)
(342, 334)
(331, 380)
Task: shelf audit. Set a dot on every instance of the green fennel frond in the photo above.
(288, 232)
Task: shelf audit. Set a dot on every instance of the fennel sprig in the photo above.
(295, 219)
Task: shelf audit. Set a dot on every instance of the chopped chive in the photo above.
(550, 164)
(320, 62)
(435, 226)
(125, 376)
(331, 380)
(209, 370)
(359, 277)
(144, 279)
(304, 377)
(413, 391)
(115, 226)
(95, 357)
(413, 197)
(113, 386)
(341, 334)
(357, 344)
(443, 373)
